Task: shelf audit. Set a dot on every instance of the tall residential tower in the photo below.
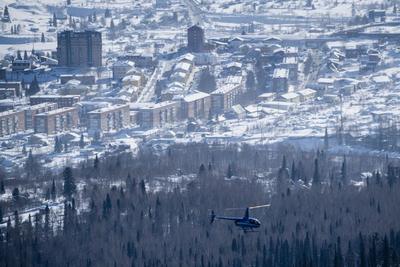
(79, 49)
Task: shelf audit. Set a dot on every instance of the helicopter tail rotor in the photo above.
(212, 217)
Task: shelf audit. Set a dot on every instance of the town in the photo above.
(104, 77)
(132, 132)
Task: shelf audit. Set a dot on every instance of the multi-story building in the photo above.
(55, 121)
(11, 122)
(292, 65)
(280, 80)
(61, 100)
(21, 65)
(79, 49)
(108, 119)
(31, 111)
(10, 89)
(196, 105)
(120, 68)
(156, 115)
(224, 98)
(195, 36)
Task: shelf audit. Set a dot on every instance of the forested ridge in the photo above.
(318, 217)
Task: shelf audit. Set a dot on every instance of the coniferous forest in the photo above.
(152, 209)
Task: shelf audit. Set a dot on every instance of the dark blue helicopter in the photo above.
(246, 223)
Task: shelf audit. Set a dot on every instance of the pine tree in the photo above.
(15, 194)
(143, 187)
(230, 171)
(19, 57)
(326, 139)
(316, 178)
(283, 177)
(69, 182)
(344, 171)
(82, 142)
(54, 20)
(25, 55)
(57, 145)
(42, 39)
(363, 261)
(107, 13)
(53, 190)
(6, 15)
(250, 81)
(33, 87)
(2, 188)
(32, 166)
(386, 253)
(96, 162)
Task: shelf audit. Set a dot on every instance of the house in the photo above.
(290, 97)
(325, 83)
(381, 81)
(236, 112)
(267, 97)
(236, 42)
(351, 50)
(232, 68)
(307, 94)
(377, 15)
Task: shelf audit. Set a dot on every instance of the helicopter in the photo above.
(246, 223)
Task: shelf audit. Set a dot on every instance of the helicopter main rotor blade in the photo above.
(260, 206)
(252, 207)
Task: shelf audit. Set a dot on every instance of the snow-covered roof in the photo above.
(306, 92)
(266, 95)
(107, 109)
(289, 96)
(281, 73)
(185, 66)
(326, 80)
(195, 96)
(381, 79)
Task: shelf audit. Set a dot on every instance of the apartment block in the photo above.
(61, 100)
(55, 121)
(224, 98)
(156, 115)
(11, 122)
(196, 105)
(108, 119)
(79, 49)
(31, 111)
